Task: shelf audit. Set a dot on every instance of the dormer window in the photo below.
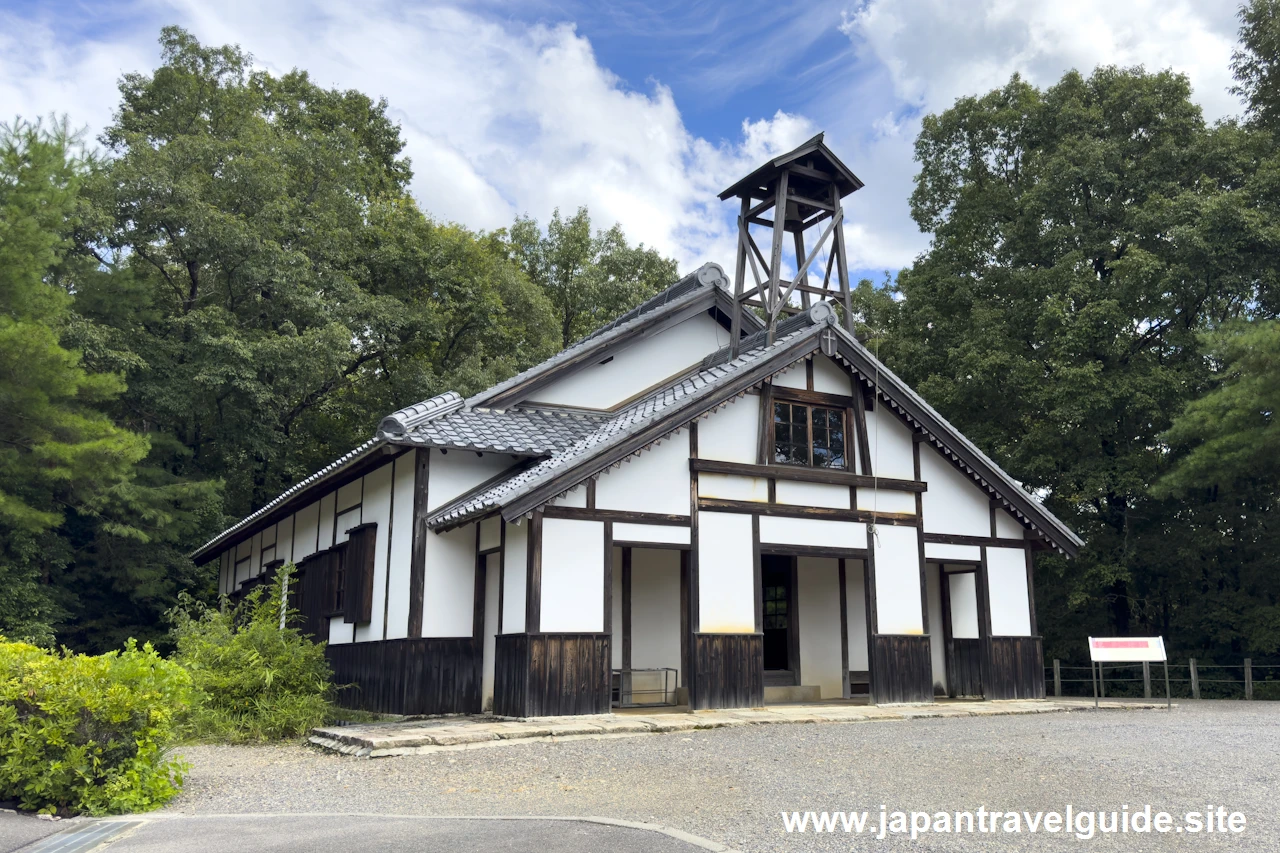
(808, 435)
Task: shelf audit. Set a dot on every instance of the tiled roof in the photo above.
(517, 431)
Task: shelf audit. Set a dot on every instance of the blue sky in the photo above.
(642, 111)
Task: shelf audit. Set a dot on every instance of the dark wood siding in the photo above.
(1016, 668)
(901, 669)
(728, 671)
(964, 667)
(417, 675)
(539, 675)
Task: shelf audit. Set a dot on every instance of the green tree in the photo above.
(1084, 236)
(589, 279)
(272, 288)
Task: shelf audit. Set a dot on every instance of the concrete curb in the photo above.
(402, 738)
(677, 834)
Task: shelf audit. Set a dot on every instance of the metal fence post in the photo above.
(1248, 678)
(1195, 680)
(1057, 678)
(1146, 679)
(1102, 685)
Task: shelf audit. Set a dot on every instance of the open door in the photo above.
(781, 656)
(961, 618)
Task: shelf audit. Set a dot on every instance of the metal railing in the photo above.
(1134, 680)
(634, 688)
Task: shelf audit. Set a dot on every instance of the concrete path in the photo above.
(385, 833)
(436, 734)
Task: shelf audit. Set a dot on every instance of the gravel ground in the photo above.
(730, 785)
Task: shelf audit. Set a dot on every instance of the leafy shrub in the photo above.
(253, 681)
(82, 733)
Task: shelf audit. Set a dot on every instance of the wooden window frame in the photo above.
(810, 401)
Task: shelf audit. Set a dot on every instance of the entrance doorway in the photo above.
(777, 579)
(961, 618)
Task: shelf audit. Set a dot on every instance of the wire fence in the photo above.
(1190, 680)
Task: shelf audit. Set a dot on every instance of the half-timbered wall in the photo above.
(656, 481)
(572, 576)
(514, 575)
(897, 567)
(1007, 582)
(726, 574)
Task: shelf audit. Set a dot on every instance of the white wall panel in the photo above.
(284, 540)
(514, 567)
(493, 574)
(574, 498)
(306, 530)
(897, 580)
(937, 647)
(401, 543)
(655, 610)
(347, 519)
(964, 605)
(818, 597)
(326, 521)
(831, 378)
(572, 575)
(793, 377)
(812, 494)
(225, 579)
(641, 365)
(732, 487)
(812, 531)
(890, 444)
(459, 471)
(490, 533)
(953, 503)
(1007, 587)
(377, 510)
(1007, 527)
(341, 632)
(655, 481)
(255, 554)
(939, 551)
(449, 590)
(856, 607)
(615, 646)
(726, 574)
(884, 500)
(350, 495)
(658, 533)
(729, 434)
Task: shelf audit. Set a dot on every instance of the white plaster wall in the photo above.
(572, 575)
(897, 580)
(255, 555)
(655, 610)
(830, 378)
(732, 487)
(1007, 527)
(812, 531)
(493, 563)
(1007, 585)
(459, 471)
(812, 494)
(730, 434)
(641, 365)
(224, 573)
(939, 551)
(953, 503)
(818, 579)
(964, 605)
(576, 497)
(449, 584)
(657, 533)
(401, 543)
(726, 574)
(655, 481)
(514, 567)
(937, 648)
(884, 500)
(284, 540)
(326, 539)
(350, 495)
(306, 530)
(794, 377)
(346, 520)
(490, 533)
(856, 606)
(889, 441)
(377, 510)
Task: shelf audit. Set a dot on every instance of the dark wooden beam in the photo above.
(830, 476)
(418, 548)
(785, 550)
(957, 539)
(894, 519)
(533, 578)
(625, 516)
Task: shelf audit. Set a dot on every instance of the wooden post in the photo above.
(1195, 680)
(1146, 679)
(1057, 678)
(1248, 678)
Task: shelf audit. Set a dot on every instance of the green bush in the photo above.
(253, 681)
(82, 733)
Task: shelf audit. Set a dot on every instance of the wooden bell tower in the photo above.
(794, 194)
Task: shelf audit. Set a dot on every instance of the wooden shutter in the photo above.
(358, 600)
(313, 589)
